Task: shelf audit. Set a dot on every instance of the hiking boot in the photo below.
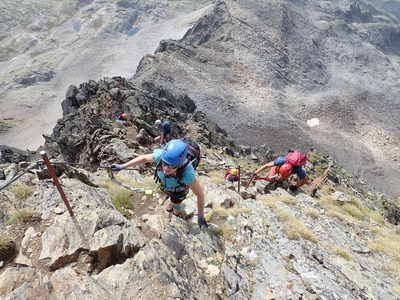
(179, 214)
(169, 208)
(273, 185)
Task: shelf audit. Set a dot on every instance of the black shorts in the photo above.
(166, 132)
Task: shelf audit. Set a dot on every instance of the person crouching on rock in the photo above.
(175, 179)
(122, 117)
(164, 128)
(281, 171)
(231, 175)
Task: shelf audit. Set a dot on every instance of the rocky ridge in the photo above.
(328, 241)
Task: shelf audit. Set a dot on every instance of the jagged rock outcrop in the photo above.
(355, 14)
(33, 77)
(89, 133)
(13, 155)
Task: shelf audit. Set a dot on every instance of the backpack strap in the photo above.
(182, 170)
(158, 168)
(194, 149)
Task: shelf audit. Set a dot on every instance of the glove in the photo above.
(293, 188)
(116, 167)
(252, 174)
(202, 222)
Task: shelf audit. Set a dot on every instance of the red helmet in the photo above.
(286, 170)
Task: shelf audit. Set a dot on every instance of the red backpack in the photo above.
(296, 158)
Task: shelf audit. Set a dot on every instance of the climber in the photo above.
(231, 175)
(122, 117)
(176, 176)
(164, 128)
(284, 169)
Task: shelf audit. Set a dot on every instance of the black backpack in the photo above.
(192, 156)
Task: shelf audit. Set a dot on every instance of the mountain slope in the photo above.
(262, 69)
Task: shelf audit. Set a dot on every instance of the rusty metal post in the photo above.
(55, 179)
(239, 180)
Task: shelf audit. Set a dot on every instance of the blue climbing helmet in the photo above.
(174, 152)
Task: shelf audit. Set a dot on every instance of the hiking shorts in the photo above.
(232, 178)
(166, 132)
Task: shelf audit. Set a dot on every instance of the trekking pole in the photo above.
(55, 179)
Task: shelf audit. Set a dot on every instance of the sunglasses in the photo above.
(164, 164)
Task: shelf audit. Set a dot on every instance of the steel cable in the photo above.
(18, 176)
